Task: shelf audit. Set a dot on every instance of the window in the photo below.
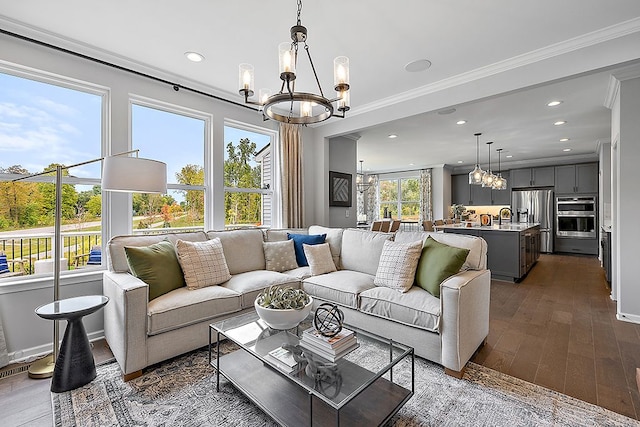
(170, 135)
(247, 176)
(400, 197)
(44, 122)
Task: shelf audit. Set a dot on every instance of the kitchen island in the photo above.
(512, 248)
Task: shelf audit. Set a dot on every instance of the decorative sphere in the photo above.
(328, 319)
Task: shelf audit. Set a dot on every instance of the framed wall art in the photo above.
(339, 189)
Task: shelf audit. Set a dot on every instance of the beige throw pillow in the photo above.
(203, 263)
(280, 256)
(397, 266)
(319, 258)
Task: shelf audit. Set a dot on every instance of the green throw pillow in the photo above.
(437, 262)
(156, 265)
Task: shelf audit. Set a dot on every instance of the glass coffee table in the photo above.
(367, 386)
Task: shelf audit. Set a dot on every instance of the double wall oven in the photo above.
(576, 217)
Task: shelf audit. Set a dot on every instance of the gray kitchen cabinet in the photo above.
(502, 197)
(510, 254)
(577, 179)
(532, 177)
(462, 193)
(576, 245)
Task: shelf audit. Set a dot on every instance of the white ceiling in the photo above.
(380, 38)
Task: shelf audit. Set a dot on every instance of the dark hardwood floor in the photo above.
(557, 328)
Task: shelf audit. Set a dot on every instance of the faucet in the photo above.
(500, 215)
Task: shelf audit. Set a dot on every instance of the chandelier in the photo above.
(361, 185)
(475, 176)
(488, 178)
(289, 106)
(499, 183)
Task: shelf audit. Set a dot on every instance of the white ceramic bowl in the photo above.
(287, 318)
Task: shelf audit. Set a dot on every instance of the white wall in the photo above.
(342, 158)
(441, 191)
(625, 224)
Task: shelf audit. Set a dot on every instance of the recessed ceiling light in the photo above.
(411, 164)
(560, 122)
(509, 156)
(567, 149)
(461, 122)
(392, 136)
(194, 56)
(418, 65)
(564, 139)
(554, 103)
(460, 161)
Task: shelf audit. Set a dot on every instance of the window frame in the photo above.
(398, 178)
(104, 93)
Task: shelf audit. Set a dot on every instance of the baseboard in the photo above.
(29, 354)
(631, 318)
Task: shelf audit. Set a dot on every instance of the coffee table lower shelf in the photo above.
(290, 404)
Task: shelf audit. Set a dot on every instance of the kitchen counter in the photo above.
(512, 248)
(495, 227)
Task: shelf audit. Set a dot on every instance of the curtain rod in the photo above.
(175, 86)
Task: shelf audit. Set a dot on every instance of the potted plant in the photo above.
(283, 307)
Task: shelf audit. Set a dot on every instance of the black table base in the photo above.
(75, 366)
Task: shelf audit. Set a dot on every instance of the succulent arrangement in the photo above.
(278, 297)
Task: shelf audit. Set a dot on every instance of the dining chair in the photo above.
(438, 222)
(386, 225)
(375, 225)
(395, 225)
(427, 225)
(448, 221)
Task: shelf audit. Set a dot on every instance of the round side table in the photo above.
(75, 366)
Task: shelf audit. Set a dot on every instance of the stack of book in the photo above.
(330, 348)
(283, 359)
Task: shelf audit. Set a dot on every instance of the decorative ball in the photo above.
(328, 319)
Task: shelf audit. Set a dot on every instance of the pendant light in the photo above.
(488, 177)
(361, 185)
(475, 176)
(499, 183)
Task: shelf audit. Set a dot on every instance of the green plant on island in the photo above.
(279, 298)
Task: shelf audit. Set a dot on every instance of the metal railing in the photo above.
(24, 250)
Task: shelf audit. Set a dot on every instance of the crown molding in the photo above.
(567, 46)
(613, 88)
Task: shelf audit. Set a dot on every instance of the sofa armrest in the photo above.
(464, 323)
(125, 319)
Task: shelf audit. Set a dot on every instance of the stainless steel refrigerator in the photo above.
(535, 206)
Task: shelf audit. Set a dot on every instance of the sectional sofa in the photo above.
(446, 330)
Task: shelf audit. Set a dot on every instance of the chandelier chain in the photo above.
(299, 11)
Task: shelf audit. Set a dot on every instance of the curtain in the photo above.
(291, 176)
(4, 357)
(372, 202)
(426, 202)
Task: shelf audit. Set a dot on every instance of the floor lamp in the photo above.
(119, 173)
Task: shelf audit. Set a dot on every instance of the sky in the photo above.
(42, 123)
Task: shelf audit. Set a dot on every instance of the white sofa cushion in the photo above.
(361, 250)
(251, 283)
(280, 234)
(182, 307)
(340, 287)
(417, 307)
(477, 258)
(203, 263)
(118, 258)
(334, 239)
(242, 249)
(397, 267)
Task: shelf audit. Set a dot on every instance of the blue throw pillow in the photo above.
(309, 239)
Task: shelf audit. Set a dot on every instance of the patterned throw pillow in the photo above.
(203, 263)
(299, 240)
(280, 256)
(320, 259)
(397, 266)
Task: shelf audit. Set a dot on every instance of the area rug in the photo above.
(182, 392)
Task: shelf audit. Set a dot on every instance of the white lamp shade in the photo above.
(133, 174)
